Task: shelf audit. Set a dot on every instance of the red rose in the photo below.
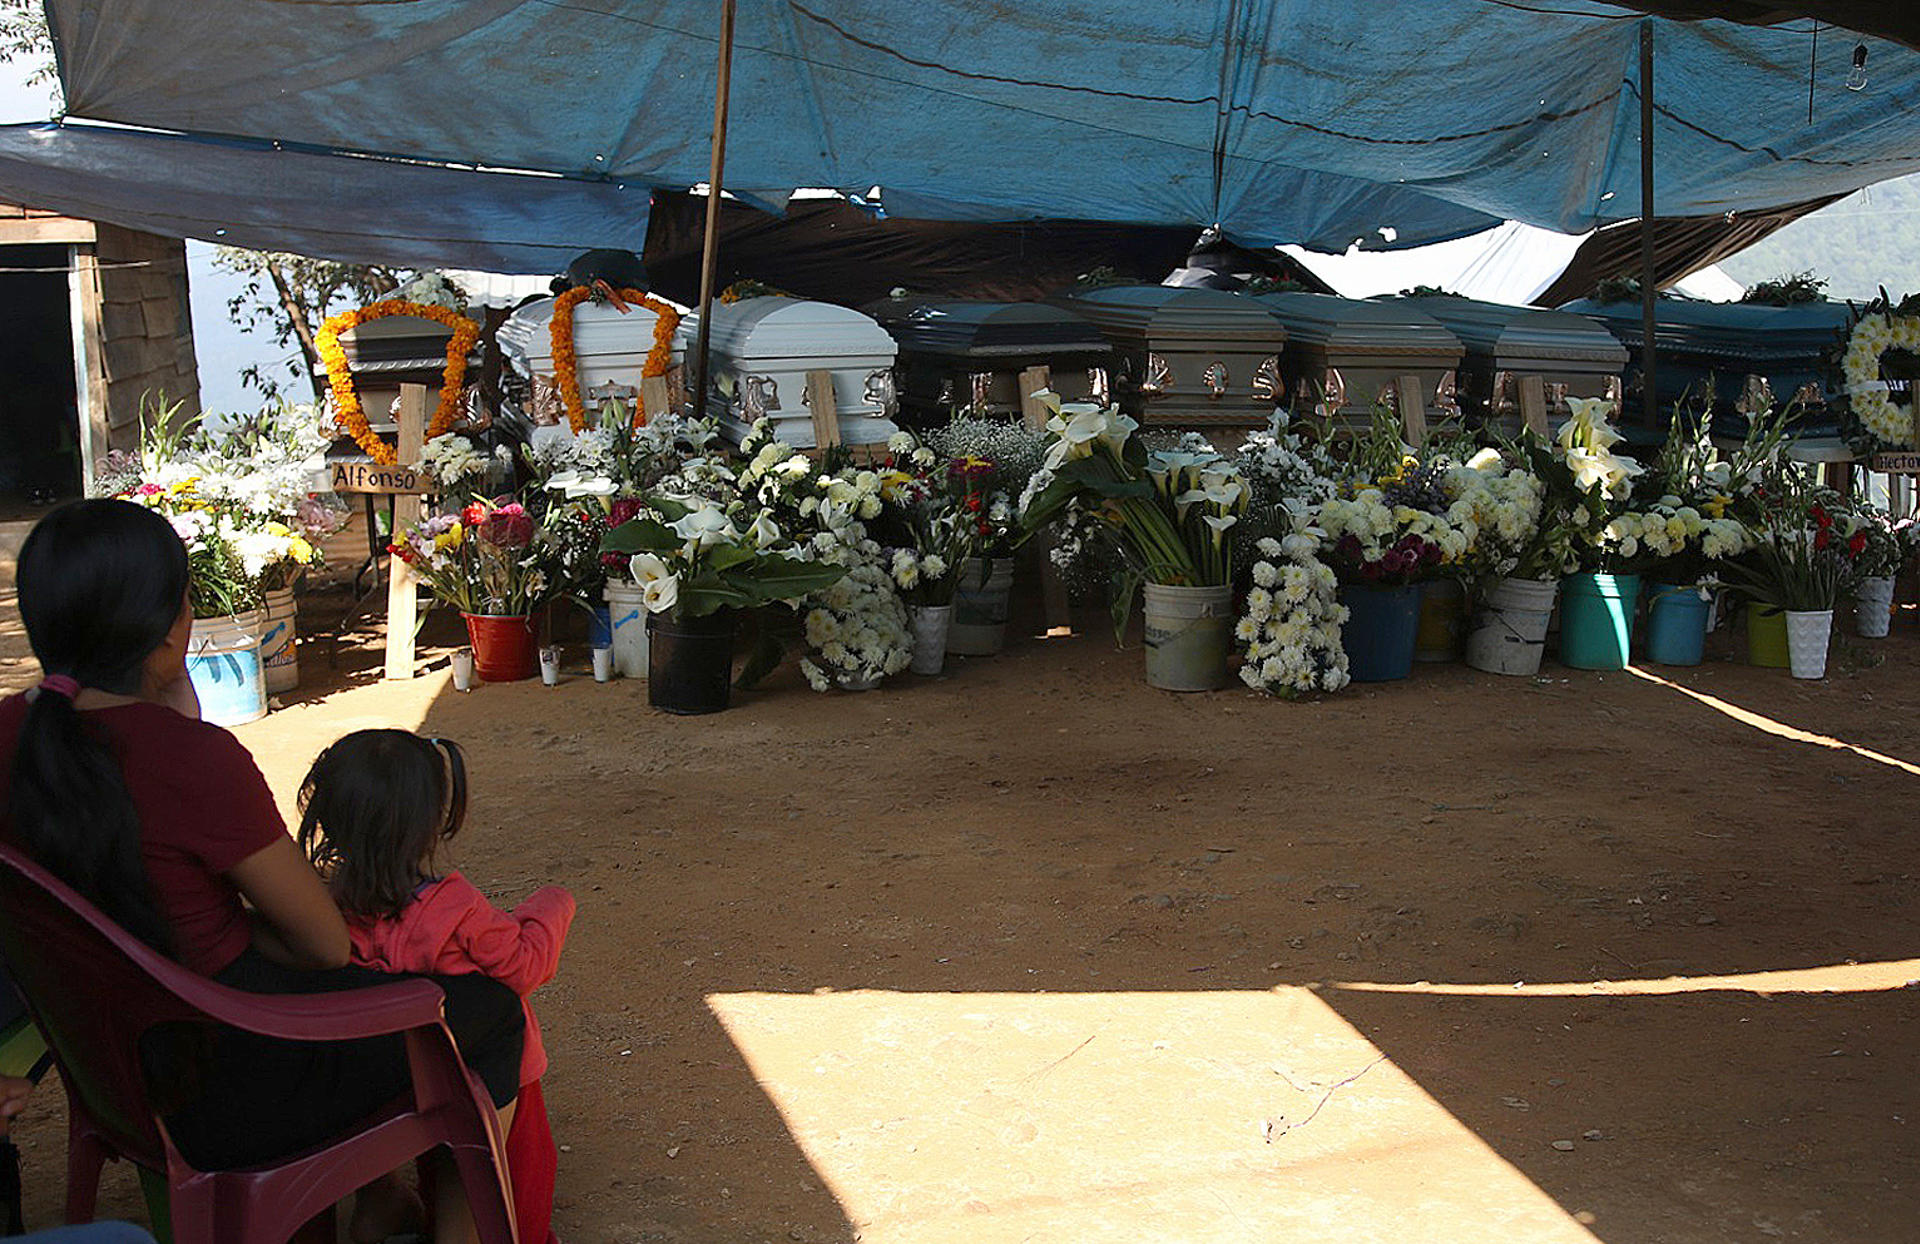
(1823, 539)
(474, 515)
(1856, 544)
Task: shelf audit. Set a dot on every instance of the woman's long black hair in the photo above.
(101, 583)
(373, 810)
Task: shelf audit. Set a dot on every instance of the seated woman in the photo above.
(110, 780)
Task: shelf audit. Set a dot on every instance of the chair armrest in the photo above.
(341, 1015)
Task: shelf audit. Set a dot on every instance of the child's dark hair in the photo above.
(374, 808)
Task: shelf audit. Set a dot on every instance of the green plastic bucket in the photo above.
(1767, 636)
(1596, 620)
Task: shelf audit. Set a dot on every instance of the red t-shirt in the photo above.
(203, 808)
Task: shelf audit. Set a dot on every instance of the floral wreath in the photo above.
(565, 364)
(1867, 394)
(346, 399)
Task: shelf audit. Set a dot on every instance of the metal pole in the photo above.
(1649, 391)
(715, 175)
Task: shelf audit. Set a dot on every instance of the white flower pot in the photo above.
(278, 637)
(1873, 606)
(627, 613)
(1807, 635)
(930, 626)
(1508, 636)
(223, 661)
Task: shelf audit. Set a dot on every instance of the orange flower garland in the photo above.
(565, 364)
(346, 398)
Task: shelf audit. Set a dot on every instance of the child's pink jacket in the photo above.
(450, 928)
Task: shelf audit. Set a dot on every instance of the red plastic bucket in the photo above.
(505, 648)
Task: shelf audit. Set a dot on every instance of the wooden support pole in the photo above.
(1533, 404)
(654, 399)
(825, 410)
(403, 592)
(1413, 410)
(1649, 389)
(716, 177)
(1053, 593)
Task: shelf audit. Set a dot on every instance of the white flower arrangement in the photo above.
(1867, 394)
(1291, 631)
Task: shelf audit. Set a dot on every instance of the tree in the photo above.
(292, 295)
(25, 40)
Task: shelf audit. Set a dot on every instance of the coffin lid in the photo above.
(967, 328)
(1348, 327)
(1512, 336)
(1174, 315)
(772, 327)
(398, 343)
(1744, 332)
(599, 329)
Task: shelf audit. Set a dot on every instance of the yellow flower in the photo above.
(449, 539)
(300, 550)
(1717, 507)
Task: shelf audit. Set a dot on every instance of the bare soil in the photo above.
(1033, 952)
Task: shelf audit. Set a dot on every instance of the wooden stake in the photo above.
(654, 401)
(1533, 403)
(403, 593)
(1053, 593)
(1413, 410)
(825, 410)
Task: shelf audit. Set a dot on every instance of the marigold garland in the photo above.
(565, 364)
(1872, 337)
(346, 399)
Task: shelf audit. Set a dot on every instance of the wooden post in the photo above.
(1533, 404)
(710, 241)
(826, 412)
(403, 593)
(1053, 593)
(1413, 410)
(654, 400)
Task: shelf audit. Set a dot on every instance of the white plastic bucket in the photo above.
(931, 626)
(1807, 635)
(279, 637)
(1188, 635)
(1510, 633)
(1873, 606)
(980, 607)
(223, 662)
(627, 611)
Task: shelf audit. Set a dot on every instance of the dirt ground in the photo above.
(1030, 952)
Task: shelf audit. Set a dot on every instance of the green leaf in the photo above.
(640, 535)
(786, 578)
(1121, 593)
(768, 654)
(727, 556)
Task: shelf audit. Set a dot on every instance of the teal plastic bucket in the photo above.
(1380, 631)
(1596, 620)
(223, 663)
(1677, 623)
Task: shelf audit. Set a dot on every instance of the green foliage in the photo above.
(1864, 241)
(291, 296)
(1787, 291)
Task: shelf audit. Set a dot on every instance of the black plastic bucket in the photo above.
(690, 663)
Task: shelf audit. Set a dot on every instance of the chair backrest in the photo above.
(94, 989)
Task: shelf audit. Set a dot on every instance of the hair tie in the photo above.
(60, 684)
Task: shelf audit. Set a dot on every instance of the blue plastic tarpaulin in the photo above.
(1391, 123)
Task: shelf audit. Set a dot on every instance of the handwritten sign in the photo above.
(1907, 463)
(372, 477)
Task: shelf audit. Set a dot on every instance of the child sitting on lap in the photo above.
(374, 809)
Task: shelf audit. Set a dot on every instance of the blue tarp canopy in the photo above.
(1392, 123)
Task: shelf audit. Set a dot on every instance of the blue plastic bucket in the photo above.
(1677, 623)
(1596, 620)
(599, 627)
(1380, 630)
(223, 663)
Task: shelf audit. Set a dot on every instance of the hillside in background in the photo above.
(1864, 241)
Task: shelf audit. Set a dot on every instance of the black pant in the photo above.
(252, 1099)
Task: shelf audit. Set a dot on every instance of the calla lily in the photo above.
(765, 532)
(1219, 523)
(648, 568)
(661, 595)
(1486, 460)
(705, 527)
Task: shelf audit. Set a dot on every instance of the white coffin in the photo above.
(610, 350)
(1187, 356)
(761, 351)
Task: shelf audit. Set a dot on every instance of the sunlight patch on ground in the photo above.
(1747, 717)
(1229, 1116)
(1840, 978)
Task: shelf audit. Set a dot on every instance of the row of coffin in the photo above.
(1183, 357)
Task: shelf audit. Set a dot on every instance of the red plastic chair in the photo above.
(94, 989)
